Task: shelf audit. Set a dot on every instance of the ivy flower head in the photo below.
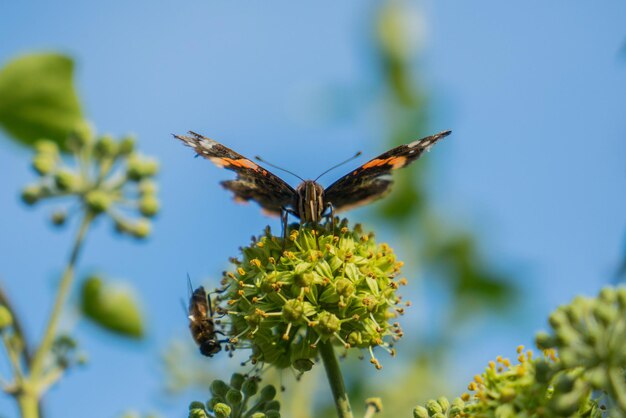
(107, 177)
(285, 296)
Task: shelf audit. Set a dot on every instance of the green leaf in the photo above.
(112, 307)
(38, 99)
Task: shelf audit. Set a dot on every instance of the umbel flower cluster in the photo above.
(108, 177)
(580, 374)
(319, 285)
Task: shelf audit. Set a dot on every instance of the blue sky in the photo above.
(533, 91)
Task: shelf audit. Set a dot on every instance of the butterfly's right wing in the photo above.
(253, 182)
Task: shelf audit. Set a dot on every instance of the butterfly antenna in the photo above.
(339, 165)
(276, 167)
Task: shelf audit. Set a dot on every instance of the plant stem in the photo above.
(36, 369)
(28, 403)
(333, 372)
(17, 325)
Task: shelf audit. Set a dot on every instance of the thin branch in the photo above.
(62, 294)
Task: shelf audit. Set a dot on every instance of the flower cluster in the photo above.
(318, 284)
(586, 379)
(232, 401)
(109, 177)
(590, 335)
(529, 388)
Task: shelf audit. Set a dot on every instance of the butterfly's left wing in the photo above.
(253, 182)
(373, 179)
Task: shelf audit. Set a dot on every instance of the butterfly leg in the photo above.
(284, 217)
(330, 206)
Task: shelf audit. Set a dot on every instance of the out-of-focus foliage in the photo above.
(454, 253)
(111, 306)
(581, 374)
(38, 99)
(39, 108)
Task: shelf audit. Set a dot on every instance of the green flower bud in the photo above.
(433, 407)
(272, 405)
(328, 323)
(31, 194)
(6, 319)
(258, 415)
(267, 393)
(58, 218)
(605, 313)
(543, 371)
(141, 228)
(98, 201)
(197, 413)
(293, 310)
(236, 380)
(65, 180)
(222, 410)
(196, 405)
(234, 397)
(250, 387)
(443, 401)
(420, 412)
(83, 134)
(344, 288)
(212, 402)
(105, 147)
(564, 383)
(272, 414)
(149, 205)
(544, 340)
(147, 187)
(126, 145)
(139, 168)
(45, 146)
(44, 163)
(219, 388)
(305, 279)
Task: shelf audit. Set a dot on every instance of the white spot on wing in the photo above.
(207, 144)
(414, 143)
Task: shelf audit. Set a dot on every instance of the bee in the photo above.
(202, 323)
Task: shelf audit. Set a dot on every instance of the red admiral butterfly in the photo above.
(309, 202)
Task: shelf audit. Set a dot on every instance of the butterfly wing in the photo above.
(253, 182)
(373, 179)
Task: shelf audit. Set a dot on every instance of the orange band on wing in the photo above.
(240, 162)
(395, 162)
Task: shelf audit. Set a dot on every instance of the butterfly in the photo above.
(309, 201)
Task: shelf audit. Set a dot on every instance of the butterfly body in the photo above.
(309, 201)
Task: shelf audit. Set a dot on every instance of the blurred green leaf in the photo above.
(38, 99)
(405, 201)
(112, 307)
(475, 283)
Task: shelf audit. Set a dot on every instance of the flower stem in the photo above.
(333, 372)
(36, 369)
(28, 404)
